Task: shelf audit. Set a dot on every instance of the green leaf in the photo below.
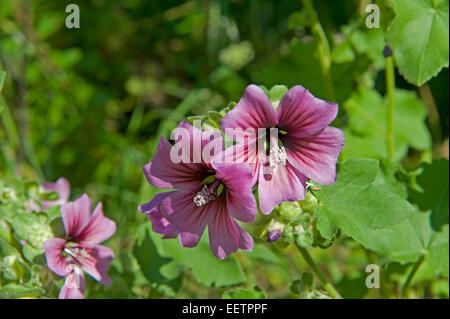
(304, 284)
(354, 204)
(410, 239)
(379, 219)
(2, 82)
(205, 267)
(438, 252)
(32, 228)
(435, 195)
(241, 293)
(17, 291)
(419, 38)
(2, 79)
(276, 93)
(151, 263)
(366, 132)
(388, 176)
(370, 42)
(263, 253)
(298, 19)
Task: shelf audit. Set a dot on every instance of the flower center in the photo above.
(76, 254)
(277, 158)
(206, 194)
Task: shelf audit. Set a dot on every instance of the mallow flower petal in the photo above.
(76, 215)
(61, 187)
(53, 248)
(95, 260)
(74, 285)
(198, 142)
(302, 114)
(286, 184)
(225, 235)
(160, 224)
(238, 180)
(185, 216)
(239, 154)
(254, 110)
(99, 228)
(316, 155)
(163, 172)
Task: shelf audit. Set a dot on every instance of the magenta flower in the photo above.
(305, 148)
(207, 194)
(61, 187)
(80, 248)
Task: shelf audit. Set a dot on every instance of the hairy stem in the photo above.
(411, 275)
(390, 85)
(332, 292)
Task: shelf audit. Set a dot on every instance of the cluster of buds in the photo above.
(294, 223)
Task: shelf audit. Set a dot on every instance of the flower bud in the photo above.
(290, 210)
(273, 235)
(275, 230)
(309, 203)
(7, 194)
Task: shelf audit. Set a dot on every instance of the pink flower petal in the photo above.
(62, 187)
(301, 114)
(162, 172)
(315, 156)
(238, 180)
(74, 285)
(53, 248)
(99, 228)
(285, 185)
(76, 216)
(96, 262)
(198, 141)
(181, 211)
(254, 110)
(159, 224)
(238, 154)
(225, 235)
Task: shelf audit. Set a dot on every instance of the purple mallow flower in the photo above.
(305, 148)
(61, 187)
(80, 248)
(207, 194)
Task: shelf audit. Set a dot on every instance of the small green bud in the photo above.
(290, 210)
(208, 180)
(7, 194)
(32, 188)
(304, 284)
(220, 189)
(309, 203)
(288, 234)
(305, 239)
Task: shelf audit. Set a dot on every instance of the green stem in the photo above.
(390, 86)
(411, 275)
(323, 49)
(433, 113)
(332, 292)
